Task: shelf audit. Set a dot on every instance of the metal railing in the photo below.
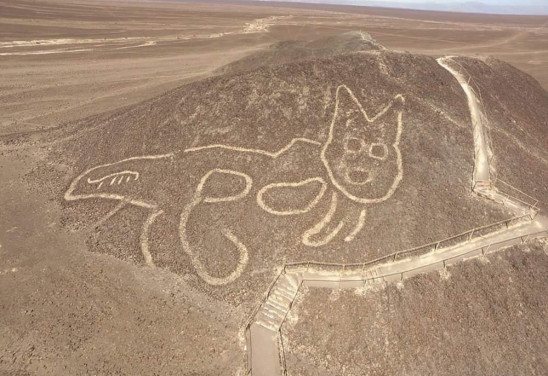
(467, 236)
(249, 322)
(281, 349)
(442, 264)
(401, 274)
(289, 268)
(458, 239)
(527, 200)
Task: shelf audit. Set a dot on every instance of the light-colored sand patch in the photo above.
(261, 25)
(145, 44)
(64, 41)
(44, 52)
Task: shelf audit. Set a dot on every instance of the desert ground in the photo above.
(439, 324)
(62, 61)
(253, 189)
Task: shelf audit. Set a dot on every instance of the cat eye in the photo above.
(378, 151)
(353, 144)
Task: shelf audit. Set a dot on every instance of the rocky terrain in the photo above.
(65, 60)
(293, 51)
(478, 317)
(265, 109)
(143, 238)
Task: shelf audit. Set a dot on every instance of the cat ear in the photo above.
(347, 117)
(350, 117)
(347, 111)
(389, 120)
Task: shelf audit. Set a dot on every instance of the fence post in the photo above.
(281, 352)
(249, 354)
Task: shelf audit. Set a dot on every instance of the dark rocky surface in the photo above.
(516, 107)
(481, 317)
(111, 314)
(265, 109)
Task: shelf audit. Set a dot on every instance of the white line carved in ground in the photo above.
(264, 326)
(359, 164)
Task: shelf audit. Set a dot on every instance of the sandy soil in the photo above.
(62, 61)
(479, 317)
(513, 128)
(67, 310)
(265, 110)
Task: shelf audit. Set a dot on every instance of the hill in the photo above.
(480, 317)
(292, 51)
(306, 152)
(273, 123)
(265, 110)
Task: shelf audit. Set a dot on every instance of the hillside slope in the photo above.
(480, 317)
(266, 109)
(215, 185)
(293, 51)
(516, 107)
(422, 195)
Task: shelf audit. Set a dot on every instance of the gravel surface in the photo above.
(482, 317)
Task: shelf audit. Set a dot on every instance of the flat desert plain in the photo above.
(62, 60)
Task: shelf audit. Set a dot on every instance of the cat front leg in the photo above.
(332, 223)
(324, 231)
(358, 224)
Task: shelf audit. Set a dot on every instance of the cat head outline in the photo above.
(362, 154)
